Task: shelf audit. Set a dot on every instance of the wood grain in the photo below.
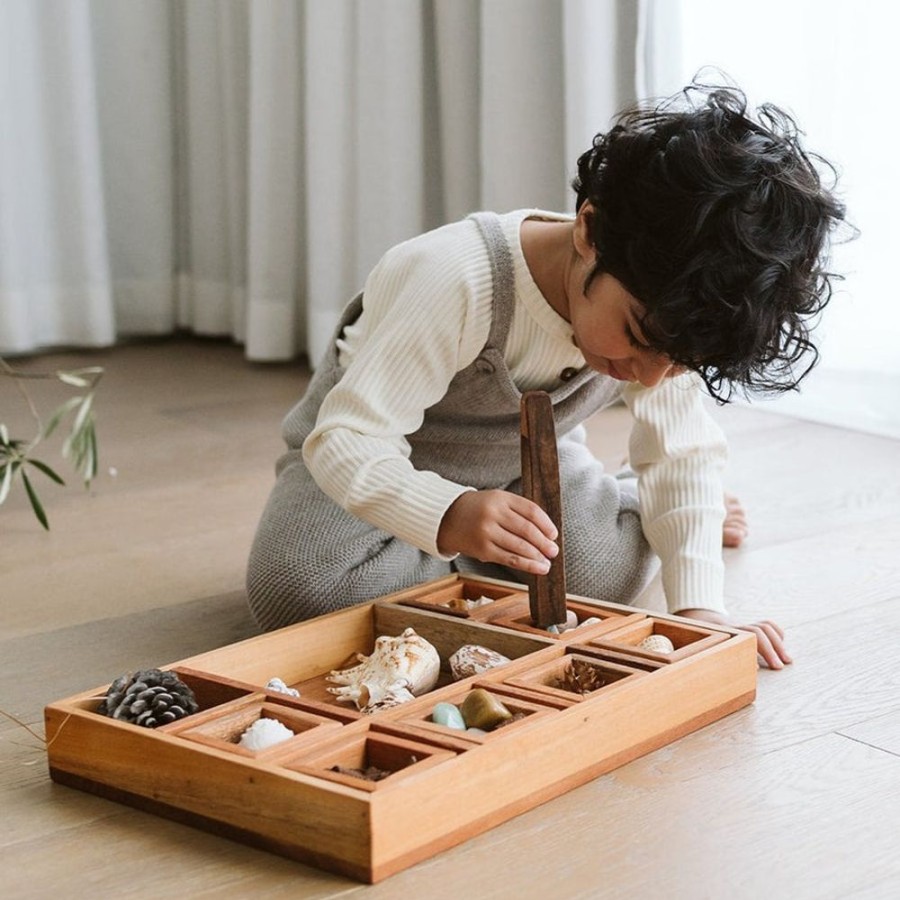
(540, 483)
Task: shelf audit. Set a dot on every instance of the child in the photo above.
(694, 261)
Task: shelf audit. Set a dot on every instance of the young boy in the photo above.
(694, 261)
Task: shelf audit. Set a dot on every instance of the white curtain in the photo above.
(832, 64)
(236, 167)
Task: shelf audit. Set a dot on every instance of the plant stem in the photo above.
(10, 372)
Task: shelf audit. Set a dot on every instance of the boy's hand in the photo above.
(499, 527)
(769, 636)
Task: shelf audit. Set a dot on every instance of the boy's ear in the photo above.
(581, 236)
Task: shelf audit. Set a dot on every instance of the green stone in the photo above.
(448, 715)
(483, 710)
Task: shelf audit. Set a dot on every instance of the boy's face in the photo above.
(606, 324)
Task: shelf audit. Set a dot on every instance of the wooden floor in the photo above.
(797, 796)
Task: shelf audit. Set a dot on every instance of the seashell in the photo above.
(483, 710)
(593, 620)
(398, 669)
(463, 604)
(384, 698)
(473, 659)
(264, 732)
(277, 685)
(658, 643)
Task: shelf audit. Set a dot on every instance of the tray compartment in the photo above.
(399, 757)
(548, 678)
(222, 727)
(527, 712)
(456, 599)
(209, 692)
(610, 620)
(687, 639)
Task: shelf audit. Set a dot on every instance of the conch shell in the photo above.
(399, 669)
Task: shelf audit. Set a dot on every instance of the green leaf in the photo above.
(94, 454)
(35, 503)
(6, 483)
(60, 413)
(73, 379)
(43, 467)
(83, 413)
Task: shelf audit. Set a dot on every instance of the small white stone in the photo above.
(658, 643)
(593, 620)
(264, 733)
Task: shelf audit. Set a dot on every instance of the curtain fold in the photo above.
(236, 167)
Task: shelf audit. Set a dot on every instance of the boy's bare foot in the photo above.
(734, 529)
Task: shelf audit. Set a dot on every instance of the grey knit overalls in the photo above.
(310, 556)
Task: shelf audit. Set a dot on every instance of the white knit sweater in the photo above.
(426, 315)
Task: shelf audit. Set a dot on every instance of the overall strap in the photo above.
(502, 275)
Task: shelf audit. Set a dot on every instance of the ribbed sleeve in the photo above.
(679, 453)
(427, 310)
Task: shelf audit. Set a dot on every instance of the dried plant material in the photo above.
(370, 773)
(148, 698)
(515, 717)
(581, 677)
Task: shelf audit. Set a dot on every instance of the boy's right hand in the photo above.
(499, 527)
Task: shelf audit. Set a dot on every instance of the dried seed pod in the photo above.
(149, 698)
(581, 677)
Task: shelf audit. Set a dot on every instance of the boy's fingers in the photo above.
(769, 644)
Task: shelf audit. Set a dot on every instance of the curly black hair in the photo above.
(718, 222)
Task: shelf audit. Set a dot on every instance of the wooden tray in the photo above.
(444, 787)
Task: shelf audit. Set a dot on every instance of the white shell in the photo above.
(462, 604)
(399, 669)
(658, 643)
(264, 733)
(473, 659)
(593, 620)
(277, 685)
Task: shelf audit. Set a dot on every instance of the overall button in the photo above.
(568, 374)
(484, 365)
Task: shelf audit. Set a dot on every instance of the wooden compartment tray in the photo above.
(305, 798)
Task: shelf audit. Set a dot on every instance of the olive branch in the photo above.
(79, 447)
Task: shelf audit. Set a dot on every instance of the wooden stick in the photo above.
(540, 480)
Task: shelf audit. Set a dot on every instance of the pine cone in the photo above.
(149, 698)
(581, 677)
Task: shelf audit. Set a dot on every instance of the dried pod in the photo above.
(581, 677)
(148, 698)
(473, 659)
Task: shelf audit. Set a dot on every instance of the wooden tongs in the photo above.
(540, 482)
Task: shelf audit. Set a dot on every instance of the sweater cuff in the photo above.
(695, 584)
